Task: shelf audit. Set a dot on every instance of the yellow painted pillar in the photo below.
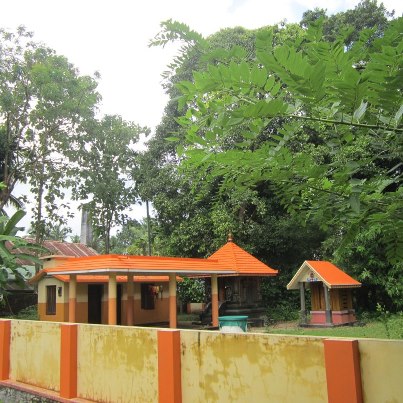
(130, 300)
(214, 300)
(172, 301)
(112, 292)
(72, 297)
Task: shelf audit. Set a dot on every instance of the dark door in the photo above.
(95, 292)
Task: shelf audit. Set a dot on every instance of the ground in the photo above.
(390, 327)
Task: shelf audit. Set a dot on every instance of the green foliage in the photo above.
(29, 313)
(320, 88)
(348, 24)
(75, 239)
(43, 105)
(132, 239)
(283, 132)
(14, 251)
(281, 312)
(105, 172)
(57, 232)
(191, 290)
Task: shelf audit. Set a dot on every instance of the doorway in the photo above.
(95, 292)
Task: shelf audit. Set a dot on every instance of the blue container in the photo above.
(233, 324)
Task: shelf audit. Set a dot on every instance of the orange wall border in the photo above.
(343, 371)
(169, 366)
(68, 360)
(5, 340)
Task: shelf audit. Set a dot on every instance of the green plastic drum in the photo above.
(233, 324)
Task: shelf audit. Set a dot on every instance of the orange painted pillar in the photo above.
(214, 300)
(130, 301)
(169, 366)
(68, 361)
(5, 340)
(343, 372)
(112, 292)
(72, 297)
(172, 301)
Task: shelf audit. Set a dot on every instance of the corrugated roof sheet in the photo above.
(69, 249)
(327, 272)
(58, 248)
(231, 255)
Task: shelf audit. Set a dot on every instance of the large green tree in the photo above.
(43, 104)
(105, 170)
(316, 122)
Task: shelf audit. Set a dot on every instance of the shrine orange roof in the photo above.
(327, 272)
(232, 256)
(230, 260)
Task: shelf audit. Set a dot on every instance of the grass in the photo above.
(382, 328)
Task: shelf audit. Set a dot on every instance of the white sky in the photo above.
(112, 37)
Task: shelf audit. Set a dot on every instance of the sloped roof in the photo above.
(57, 248)
(232, 256)
(138, 265)
(327, 272)
(69, 249)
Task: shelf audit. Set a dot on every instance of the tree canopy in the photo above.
(312, 122)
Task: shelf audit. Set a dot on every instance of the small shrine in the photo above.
(331, 294)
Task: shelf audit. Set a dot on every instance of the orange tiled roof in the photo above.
(326, 272)
(236, 258)
(138, 265)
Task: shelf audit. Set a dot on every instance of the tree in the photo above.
(318, 123)
(75, 239)
(367, 14)
(132, 239)
(56, 232)
(105, 168)
(193, 216)
(43, 104)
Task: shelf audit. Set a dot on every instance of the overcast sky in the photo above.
(112, 37)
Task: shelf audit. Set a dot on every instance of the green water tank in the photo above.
(233, 324)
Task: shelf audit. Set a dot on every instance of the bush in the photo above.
(191, 290)
(282, 312)
(29, 313)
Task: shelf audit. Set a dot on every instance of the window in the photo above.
(51, 300)
(147, 296)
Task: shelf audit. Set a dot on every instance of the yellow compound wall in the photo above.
(35, 353)
(220, 367)
(134, 364)
(381, 370)
(117, 364)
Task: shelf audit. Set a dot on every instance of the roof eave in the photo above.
(145, 272)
